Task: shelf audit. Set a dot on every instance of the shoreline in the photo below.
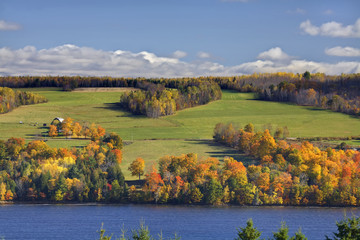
(164, 205)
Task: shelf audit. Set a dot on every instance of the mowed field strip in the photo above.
(188, 130)
(104, 89)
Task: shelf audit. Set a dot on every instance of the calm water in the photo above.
(83, 221)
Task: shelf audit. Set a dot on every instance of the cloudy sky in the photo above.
(175, 38)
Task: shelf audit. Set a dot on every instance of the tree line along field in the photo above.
(189, 130)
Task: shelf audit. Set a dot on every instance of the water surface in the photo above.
(28, 221)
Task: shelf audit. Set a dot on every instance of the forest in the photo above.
(156, 100)
(299, 175)
(35, 171)
(337, 93)
(295, 174)
(10, 99)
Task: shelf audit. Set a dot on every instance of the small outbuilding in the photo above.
(57, 121)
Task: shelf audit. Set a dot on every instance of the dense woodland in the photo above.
(10, 99)
(296, 174)
(337, 93)
(285, 174)
(35, 171)
(156, 100)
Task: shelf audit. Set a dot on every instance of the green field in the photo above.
(153, 138)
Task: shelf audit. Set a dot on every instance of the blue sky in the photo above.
(156, 38)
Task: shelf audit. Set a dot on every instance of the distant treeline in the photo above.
(70, 83)
(338, 93)
(156, 100)
(10, 99)
(66, 82)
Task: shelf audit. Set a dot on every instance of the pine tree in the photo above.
(249, 232)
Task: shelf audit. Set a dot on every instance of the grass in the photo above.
(167, 135)
(193, 123)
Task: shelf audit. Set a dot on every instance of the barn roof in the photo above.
(59, 119)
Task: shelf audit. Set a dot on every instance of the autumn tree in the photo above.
(114, 139)
(67, 126)
(137, 167)
(76, 129)
(2, 191)
(96, 132)
(53, 131)
(14, 146)
(235, 170)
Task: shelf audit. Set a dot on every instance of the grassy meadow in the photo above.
(187, 131)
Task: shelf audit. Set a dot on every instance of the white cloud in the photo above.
(332, 29)
(343, 51)
(84, 61)
(308, 28)
(179, 54)
(274, 54)
(8, 26)
(203, 55)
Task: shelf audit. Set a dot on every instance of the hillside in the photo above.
(188, 130)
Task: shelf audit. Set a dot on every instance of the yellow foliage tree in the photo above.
(67, 126)
(137, 167)
(53, 131)
(2, 191)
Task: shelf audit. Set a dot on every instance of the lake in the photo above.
(30, 221)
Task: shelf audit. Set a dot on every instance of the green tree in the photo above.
(307, 75)
(141, 234)
(249, 128)
(102, 234)
(3, 152)
(286, 132)
(283, 233)
(43, 181)
(249, 232)
(196, 195)
(348, 229)
(213, 191)
(116, 191)
(299, 236)
(278, 133)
